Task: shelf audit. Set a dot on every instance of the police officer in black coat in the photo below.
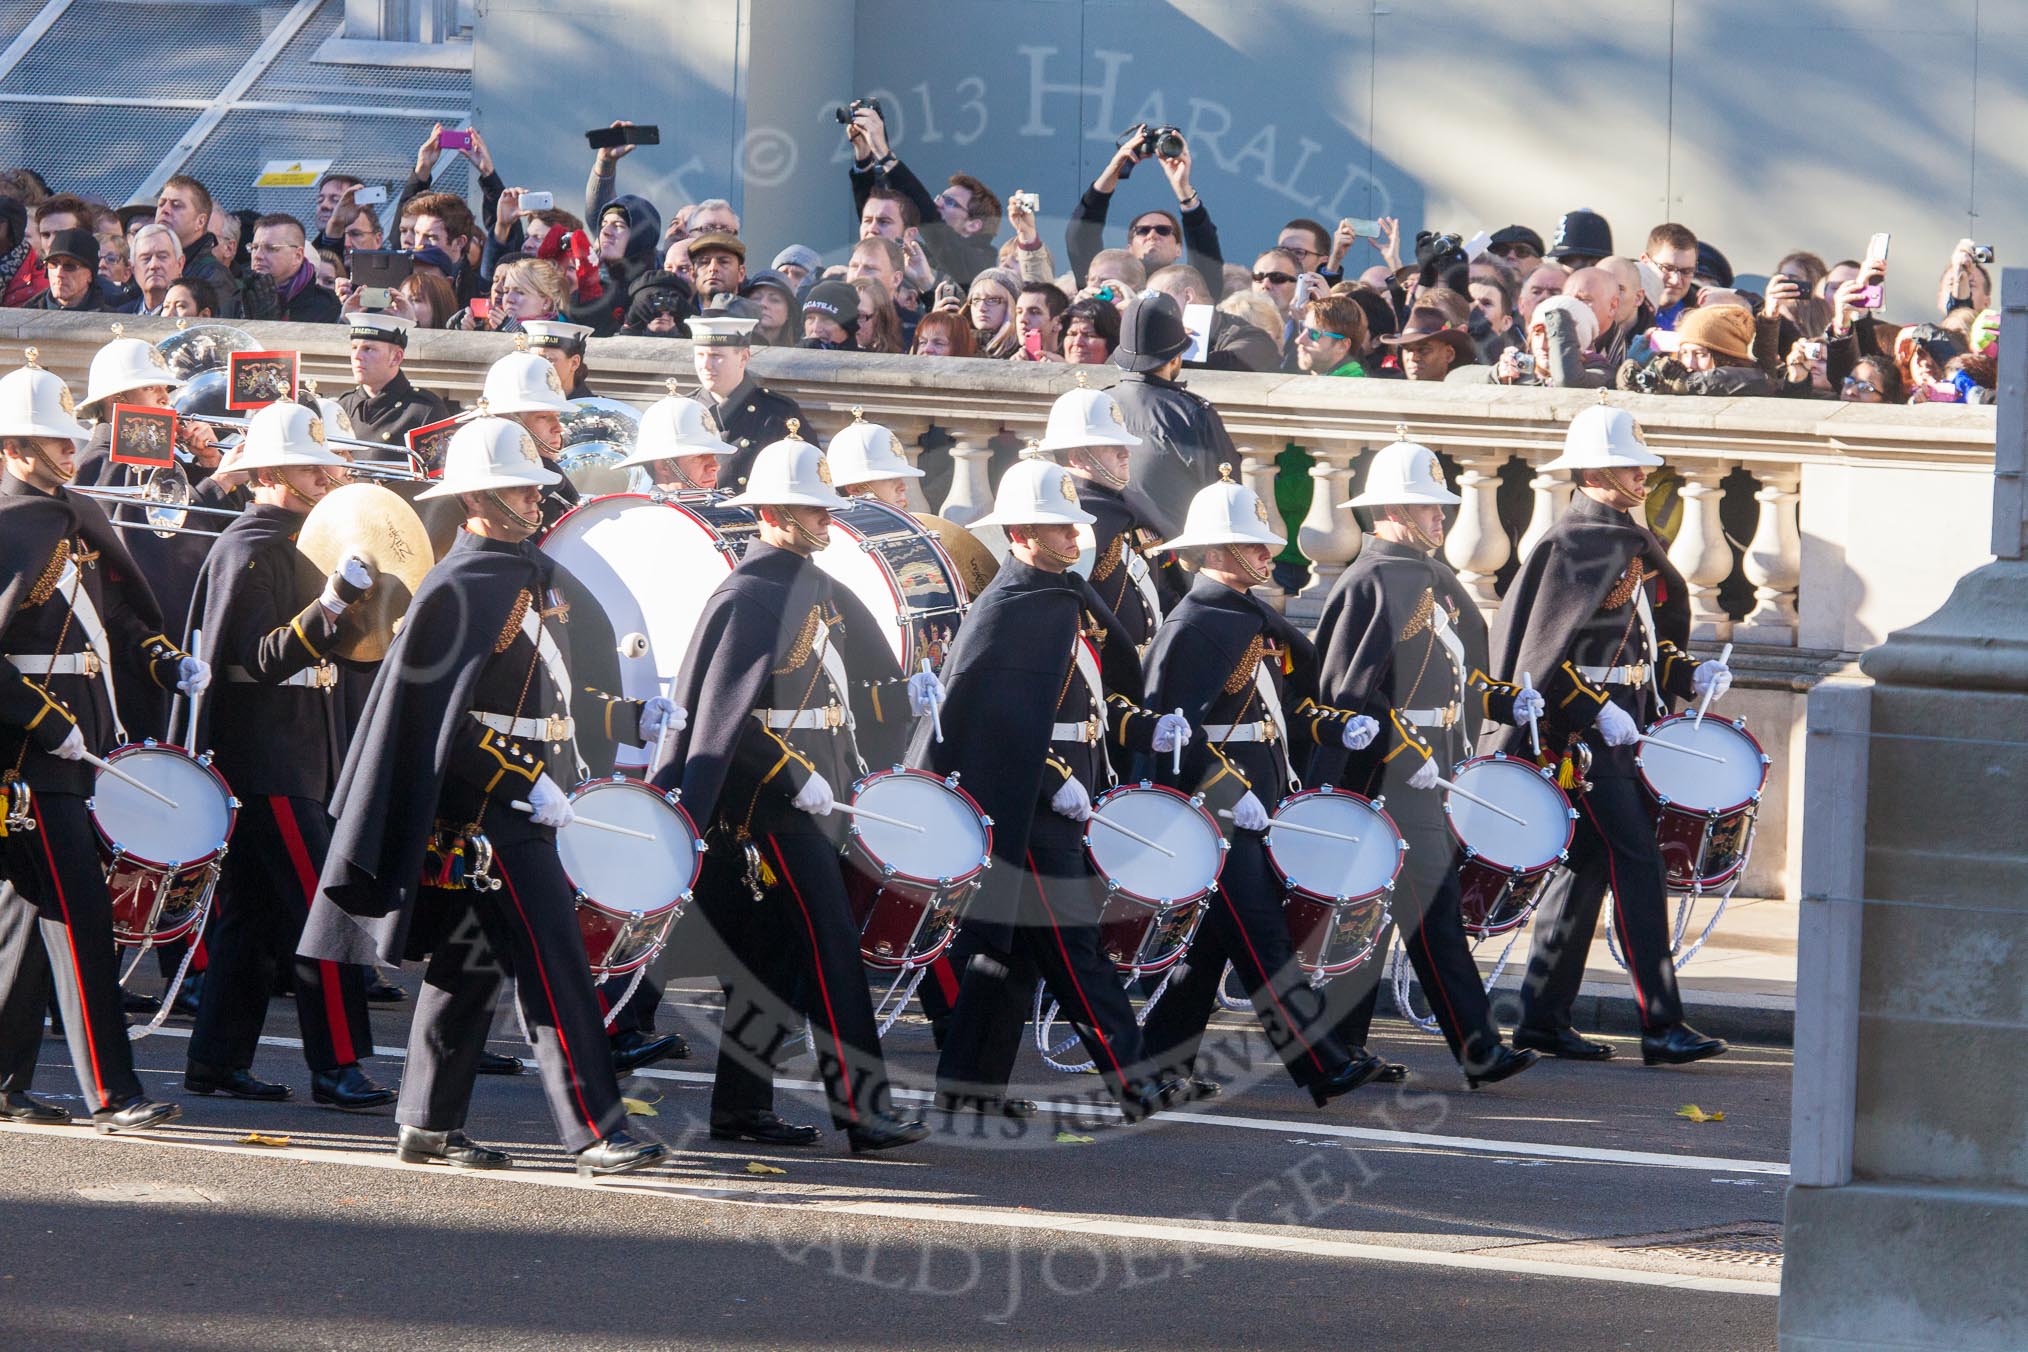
(1229, 663)
(71, 601)
(1044, 693)
(1602, 617)
(743, 411)
(1087, 433)
(477, 703)
(1403, 643)
(1183, 441)
(384, 407)
(272, 725)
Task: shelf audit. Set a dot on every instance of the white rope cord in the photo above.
(175, 982)
(892, 1005)
(1045, 1020)
(621, 1003)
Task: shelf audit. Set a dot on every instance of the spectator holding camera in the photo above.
(1561, 335)
(1965, 282)
(1038, 322)
(1155, 238)
(955, 227)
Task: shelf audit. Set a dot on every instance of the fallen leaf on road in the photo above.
(1071, 1138)
(259, 1138)
(756, 1167)
(639, 1108)
(1697, 1114)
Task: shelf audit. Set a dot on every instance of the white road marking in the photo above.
(1061, 1223)
(1477, 1145)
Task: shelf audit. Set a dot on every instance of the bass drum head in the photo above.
(650, 565)
(621, 873)
(953, 844)
(151, 832)
(1534, 842)
(1335, 868)
(976, 564)
(893, 564)
(1196, 849)
(1701, 785)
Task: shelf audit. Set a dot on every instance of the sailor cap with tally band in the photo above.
(865, 453)
(564, 337)
(721, 330)
(378, 327)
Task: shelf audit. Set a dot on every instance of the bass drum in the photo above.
(898, 569)
(977, 565)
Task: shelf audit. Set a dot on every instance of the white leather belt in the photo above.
(830, 716)
(1637, 674)
(1263, 731)
(555, 728)
(46, 664)
(1086, 733)
(323, 676)
(1433, 718)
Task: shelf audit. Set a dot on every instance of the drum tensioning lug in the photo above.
(951, 780)
(1471, 853)
(1381, 802)
(887, 870)
(205, 761)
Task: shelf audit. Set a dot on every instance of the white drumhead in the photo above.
(1702, 785)
(1171, 822)
(651, 565)
(1334, 868)
(620, 872)
(952, 842)
(1518, 787)
(147, 830)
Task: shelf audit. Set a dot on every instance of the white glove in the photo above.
(73, 747)
(815, 797)
(1248, 814)
(1528, 705)
(1714, 676)
(352, 571)
(925, 692)
(1616, 726)
(1171, 732)
(1072, 801)
(356, 571)
(1359, 732)
(551, 804)
(193, 675)
(1425, 776)
(661, 716)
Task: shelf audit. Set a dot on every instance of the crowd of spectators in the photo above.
(964, 272)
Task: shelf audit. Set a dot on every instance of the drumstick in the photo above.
(1678, 746)
(1176, 755)
(1534, 736)
(190, 737)
(1705, 703)
(117, 773)
(1471, 797)
(1132, 835)
(1305, 830)
(520, 806)
(936, 708)
(873, 816)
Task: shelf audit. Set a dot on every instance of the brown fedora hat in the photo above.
(1426, 321)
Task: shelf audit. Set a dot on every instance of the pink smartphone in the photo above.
(1876, 252)
(1032, 341)
(455, 140)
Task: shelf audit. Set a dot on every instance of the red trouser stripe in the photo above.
(1452, 1028)
(555, 1017)
(947, 979)
(1266, 981)
(823, 987)
(1056, 933)
(328, 975)
(1619, 913)
(70, 938)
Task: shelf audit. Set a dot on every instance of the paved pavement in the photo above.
(1571, 1208)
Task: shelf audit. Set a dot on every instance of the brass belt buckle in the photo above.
(556, 728)
(325, 676)
(1269, 732)
(1450, 712)
(1091, 734)
(834, 716)
(90, 664)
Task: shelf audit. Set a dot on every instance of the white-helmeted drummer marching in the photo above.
(675, 447)
(866, 462)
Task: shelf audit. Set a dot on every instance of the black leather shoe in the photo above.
(986, 1105)
(136, 1114)
(189, 995)
(1201, 1087)
(136, 1002)
(1563, 1042)
(1505, 1063)
(1350, 1076)
(199, 1078)
(381, 991)
(633, 1049)
(349, 1088)
(883, 1131)
(619, 1153)
(1145, 1098)
(1390, 1072)
(765, 1128)
(1679, 1046)
(499, 1063)
(413, 1145)
(20, 1107)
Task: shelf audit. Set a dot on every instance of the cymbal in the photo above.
(975, 562)
(376, 524)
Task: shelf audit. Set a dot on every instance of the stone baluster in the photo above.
(1329, 536)
(1257, 471)
(909, 432)
(1773, 561)
(1476, 543)
(971, 495)
(1552, 495)
(1700, 552)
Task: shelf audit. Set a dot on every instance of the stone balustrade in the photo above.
(1807, 531)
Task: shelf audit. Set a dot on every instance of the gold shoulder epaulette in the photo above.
(45, 585)
(522, 600)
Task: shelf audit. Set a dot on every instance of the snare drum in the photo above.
(1337, 891)
(1705, 810)
(161, 863)
(1506, 863)
(908, 888)
(629, 891)
(1153, 900)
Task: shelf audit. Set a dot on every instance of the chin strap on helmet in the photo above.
(525, 522)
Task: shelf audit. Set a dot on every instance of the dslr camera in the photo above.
(1982, 253)
(844, 115)
(1165, 142)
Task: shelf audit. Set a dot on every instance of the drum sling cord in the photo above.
(759, 876)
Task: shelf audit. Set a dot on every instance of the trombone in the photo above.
(409, 471)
